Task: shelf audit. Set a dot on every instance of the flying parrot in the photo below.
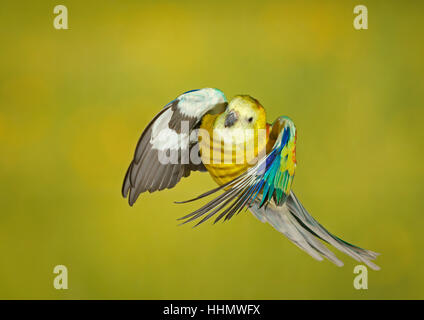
(252, 162)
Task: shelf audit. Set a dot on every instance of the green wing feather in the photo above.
(281, 162)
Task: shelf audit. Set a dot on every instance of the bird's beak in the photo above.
(230, 119)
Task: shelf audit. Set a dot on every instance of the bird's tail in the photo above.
(302, 229)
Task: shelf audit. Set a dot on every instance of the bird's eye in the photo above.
(250, 119)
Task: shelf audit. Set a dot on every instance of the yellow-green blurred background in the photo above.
(74, 102)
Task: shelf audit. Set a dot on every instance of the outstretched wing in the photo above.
(162, 155)
(271, 178)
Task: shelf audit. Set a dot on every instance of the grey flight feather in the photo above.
(302, 229)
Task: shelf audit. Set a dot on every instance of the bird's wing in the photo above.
(271, 178)
(167, 149)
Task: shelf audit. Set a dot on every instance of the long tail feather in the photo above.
(302, 229)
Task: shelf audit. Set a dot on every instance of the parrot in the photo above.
(252, 162)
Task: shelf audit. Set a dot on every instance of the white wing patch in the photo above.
(197, 103)
(164, 138)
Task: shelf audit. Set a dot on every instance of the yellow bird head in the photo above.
(243, 112)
